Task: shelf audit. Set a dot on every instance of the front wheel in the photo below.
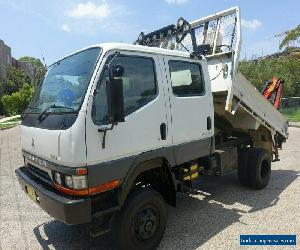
(142, 221)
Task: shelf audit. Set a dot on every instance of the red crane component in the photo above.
(273, 91)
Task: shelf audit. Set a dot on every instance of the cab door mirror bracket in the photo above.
(104, 131)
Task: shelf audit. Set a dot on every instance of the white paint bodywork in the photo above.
(141, 130)
(64, 147)
(189, 114)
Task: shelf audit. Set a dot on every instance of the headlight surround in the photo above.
(71, 181)
(77, 185)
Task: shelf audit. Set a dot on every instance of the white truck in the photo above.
(114, 131)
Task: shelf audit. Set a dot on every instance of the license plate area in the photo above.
(32, 194)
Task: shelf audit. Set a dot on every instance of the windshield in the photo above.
(65, 83)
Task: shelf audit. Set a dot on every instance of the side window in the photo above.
(139, 86)
(99, 109)
(186, 78)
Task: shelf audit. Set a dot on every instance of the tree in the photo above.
(14, 92)
(286, 68)
(291, 36)
(15, 79)
(40, 69)
(18, 101)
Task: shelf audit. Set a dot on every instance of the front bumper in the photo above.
(63, 208)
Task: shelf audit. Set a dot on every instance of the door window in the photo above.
(186, 78)
(139, 86)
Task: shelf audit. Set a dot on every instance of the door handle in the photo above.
(163, 131)
(208, 123)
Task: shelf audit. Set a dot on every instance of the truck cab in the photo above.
(76, 158)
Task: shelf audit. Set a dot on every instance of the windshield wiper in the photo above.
(26, 112)
(45, 111)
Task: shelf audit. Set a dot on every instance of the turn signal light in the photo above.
(89, 191)
(81, 171)
(105, 187)
(69, 191)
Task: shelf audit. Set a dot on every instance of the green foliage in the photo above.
(6, 125)
(291, 36)
(40, 69)
(292, 114)
(18, 101)
(17, 85)
(10, 123)
(16, 78)
(35, 61)
(259, 72)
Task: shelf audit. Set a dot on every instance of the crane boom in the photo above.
(273, 90)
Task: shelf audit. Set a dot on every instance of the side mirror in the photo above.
(114, 93)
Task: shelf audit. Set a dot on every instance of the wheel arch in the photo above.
(149, 166)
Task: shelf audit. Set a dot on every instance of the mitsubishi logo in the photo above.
(32, 142)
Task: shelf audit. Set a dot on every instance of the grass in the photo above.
(5, 126)
(10, 123)
(17, 119)
(292, 114)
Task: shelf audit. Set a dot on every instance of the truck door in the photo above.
(145, 126)
(191, 107)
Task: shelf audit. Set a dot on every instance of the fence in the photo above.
(290, 108)
(290, 102)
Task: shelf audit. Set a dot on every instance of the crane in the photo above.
(273, 89)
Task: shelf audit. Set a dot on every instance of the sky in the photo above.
(53, 29)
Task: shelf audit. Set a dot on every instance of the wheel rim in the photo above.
(145, 223)
(265, 169)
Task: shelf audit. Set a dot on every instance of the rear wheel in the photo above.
(254, 167)
(259, 168)
(142, 221)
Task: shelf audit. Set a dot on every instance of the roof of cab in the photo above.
(131, 47)
(140, 48)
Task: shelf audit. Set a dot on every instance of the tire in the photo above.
(259, 167)
(243, 172)
(141, 222)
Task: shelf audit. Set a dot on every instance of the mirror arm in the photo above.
(107, 65)
(104, 130)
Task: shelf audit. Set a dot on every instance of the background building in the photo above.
(6, 60)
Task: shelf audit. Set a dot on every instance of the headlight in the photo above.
(76, 182)
(71, 181)
(68, 181)
(79, 182)
(57, 178)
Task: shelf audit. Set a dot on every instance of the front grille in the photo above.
(39, 173)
